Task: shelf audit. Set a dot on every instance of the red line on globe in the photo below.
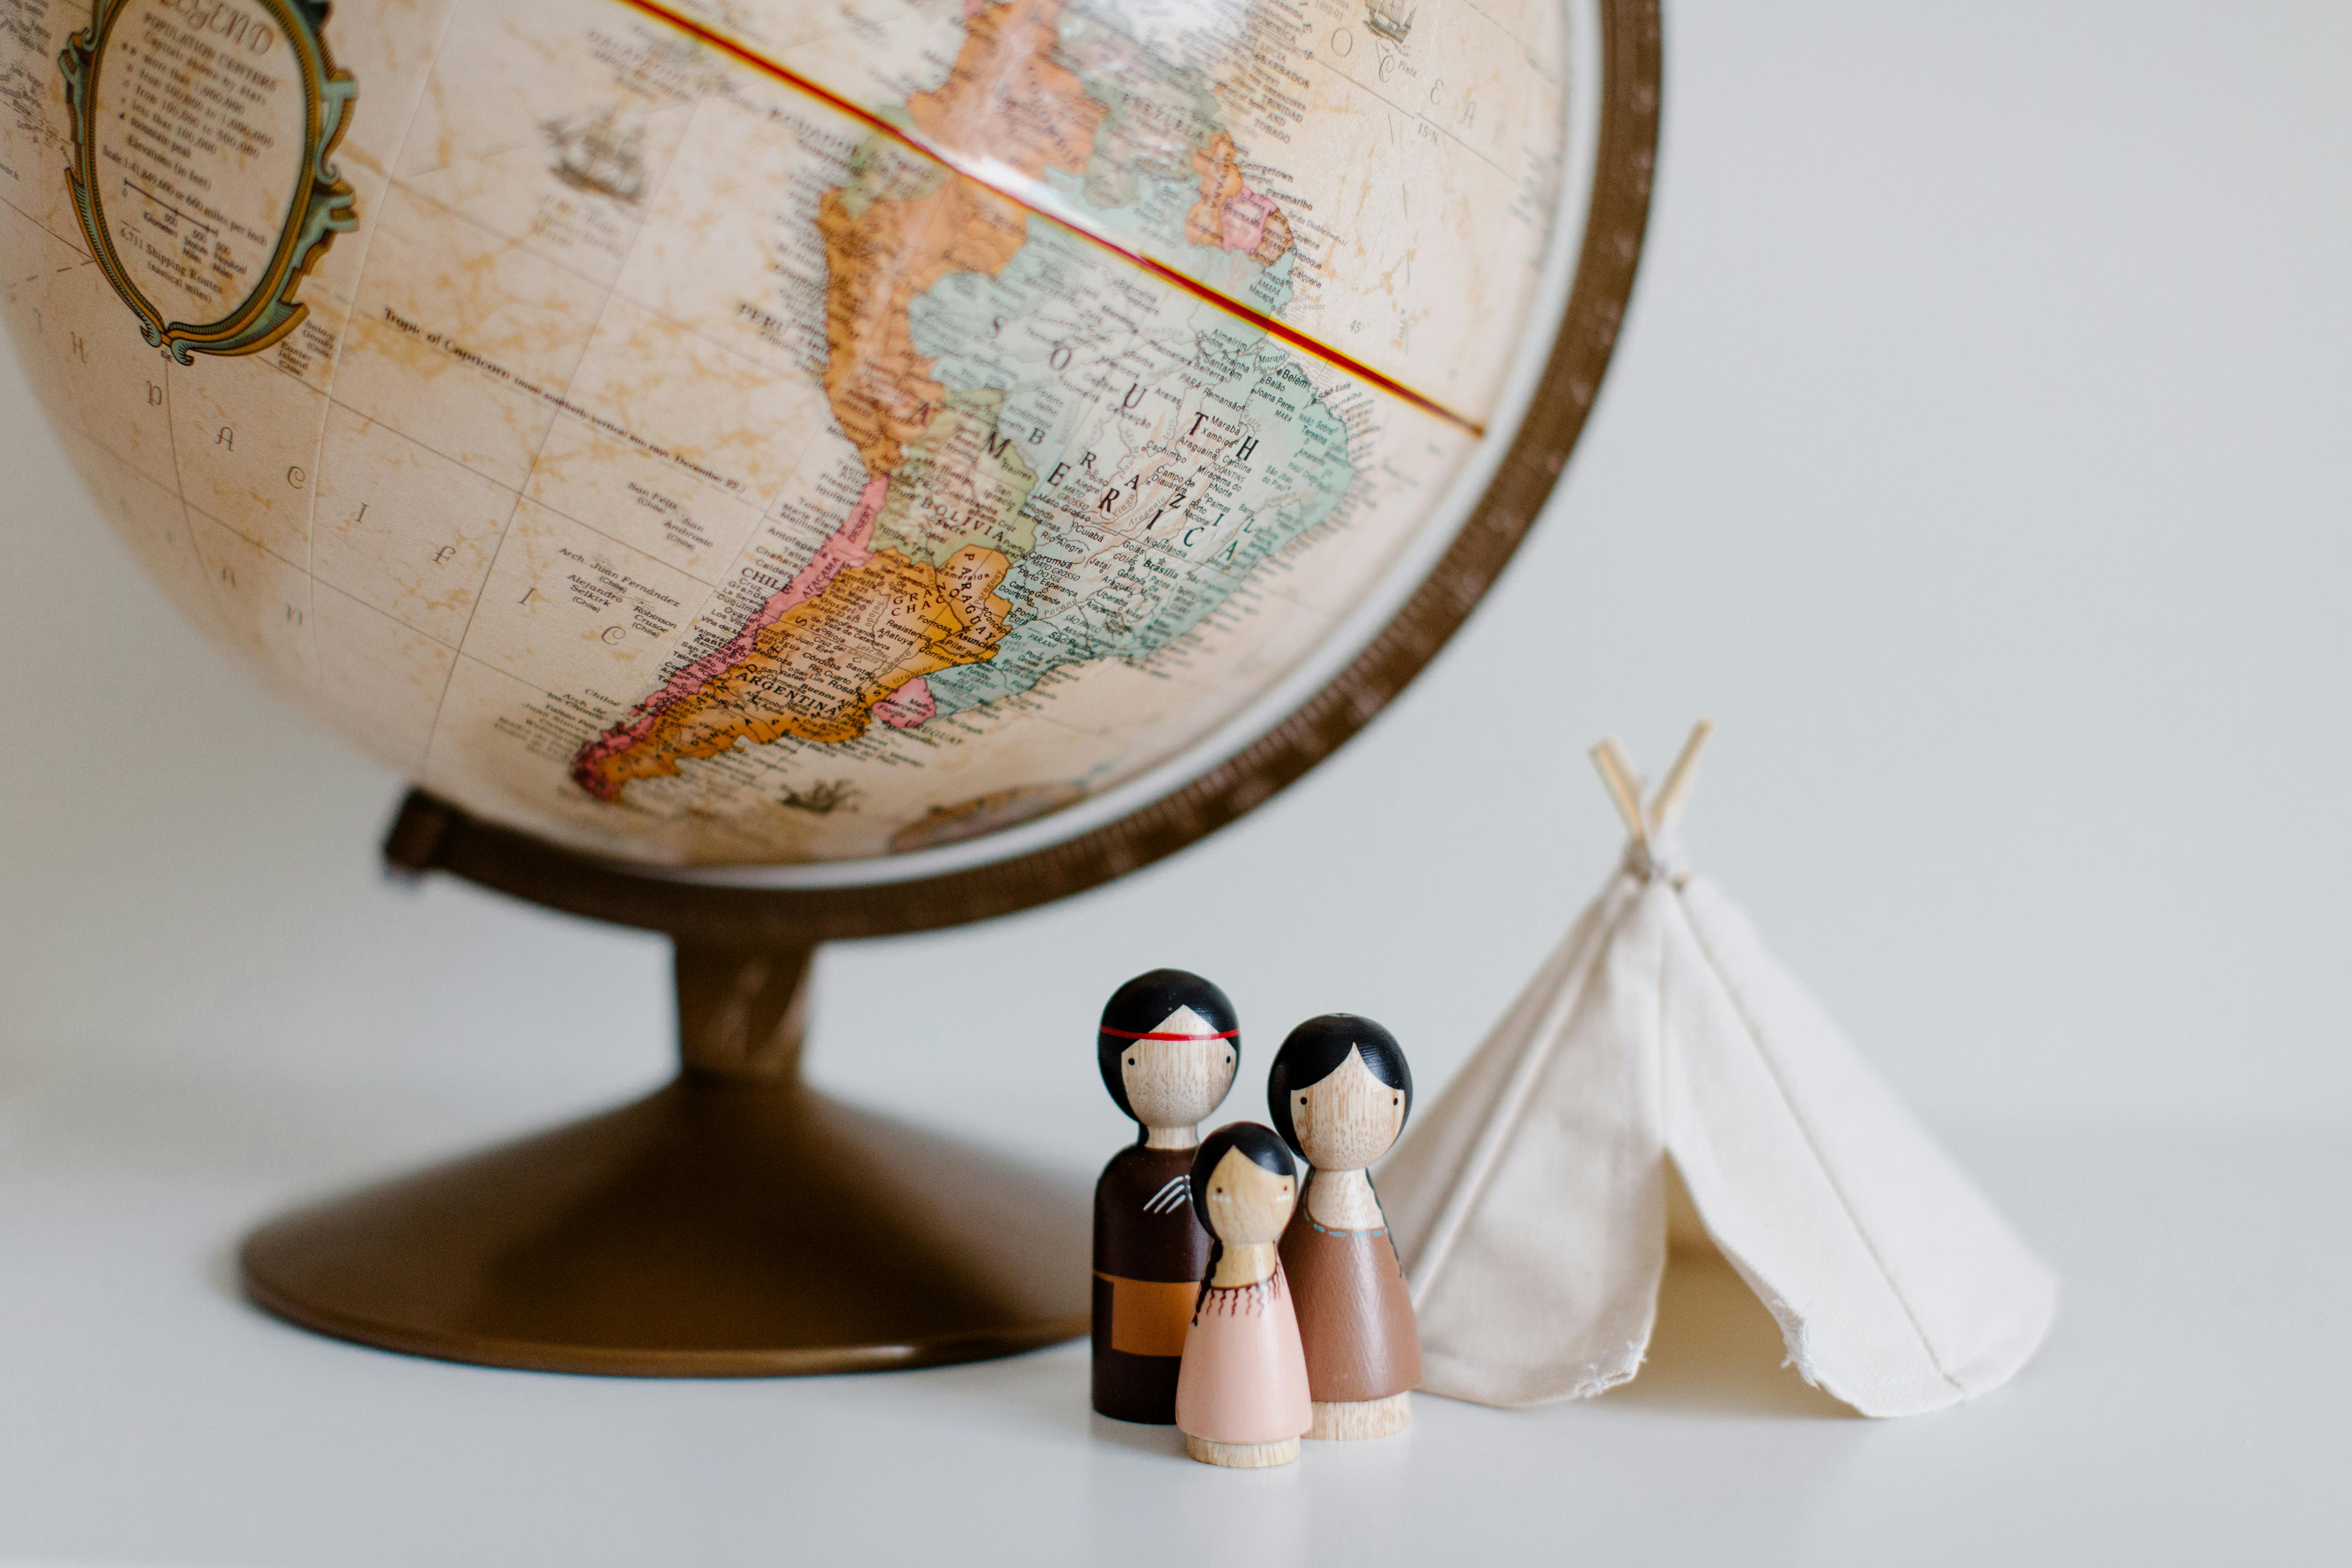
(1167, 274)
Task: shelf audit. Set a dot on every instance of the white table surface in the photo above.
(2189, 1408)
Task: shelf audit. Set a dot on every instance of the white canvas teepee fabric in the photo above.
(1532, 1197)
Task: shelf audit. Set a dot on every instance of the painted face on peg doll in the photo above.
(1177, 1072)
(1244, 1204)
(1168, 1047)
(1349, 1118)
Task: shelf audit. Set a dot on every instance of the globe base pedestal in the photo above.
(731, 1224)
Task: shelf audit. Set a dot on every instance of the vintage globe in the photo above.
(779, 470)
(781, 433)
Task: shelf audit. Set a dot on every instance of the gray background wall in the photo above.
(1976, 454)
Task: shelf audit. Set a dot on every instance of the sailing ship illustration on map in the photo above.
(592, 154)
(1389, 19)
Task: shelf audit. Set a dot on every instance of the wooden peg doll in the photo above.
(1169, 1046)
(1339, 1091)
(1241, 1398)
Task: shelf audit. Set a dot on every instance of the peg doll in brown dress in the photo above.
(1241, 1400)
(1169, 1046)
(1339, 1091)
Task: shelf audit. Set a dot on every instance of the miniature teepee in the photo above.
(1533, 1197)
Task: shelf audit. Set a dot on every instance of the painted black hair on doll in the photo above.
(1257, 1145)
(1314, 1052)
(1137, 1009)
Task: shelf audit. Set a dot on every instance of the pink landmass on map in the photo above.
(845, 550)
(1229, 213)
(1245, 221)
(907, 708)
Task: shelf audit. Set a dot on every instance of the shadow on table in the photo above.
(1716, 1351)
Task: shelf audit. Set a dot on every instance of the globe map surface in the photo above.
(756, 431)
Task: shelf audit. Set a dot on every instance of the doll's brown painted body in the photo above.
(1355, 1315)
(1168, 1047)
(1339, 1091)
(1149, 1255)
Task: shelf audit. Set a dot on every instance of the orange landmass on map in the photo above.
(1005, 98)
(819, 671)
(814, 664)
(877, 262)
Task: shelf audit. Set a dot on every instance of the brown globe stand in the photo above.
(732, 1223)
(735, 1222)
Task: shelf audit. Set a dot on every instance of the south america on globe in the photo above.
(775, 431)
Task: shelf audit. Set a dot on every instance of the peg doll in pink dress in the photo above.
(1240, 1393)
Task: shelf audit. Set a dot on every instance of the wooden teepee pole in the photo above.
(1624, 784)
(1673, 794)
